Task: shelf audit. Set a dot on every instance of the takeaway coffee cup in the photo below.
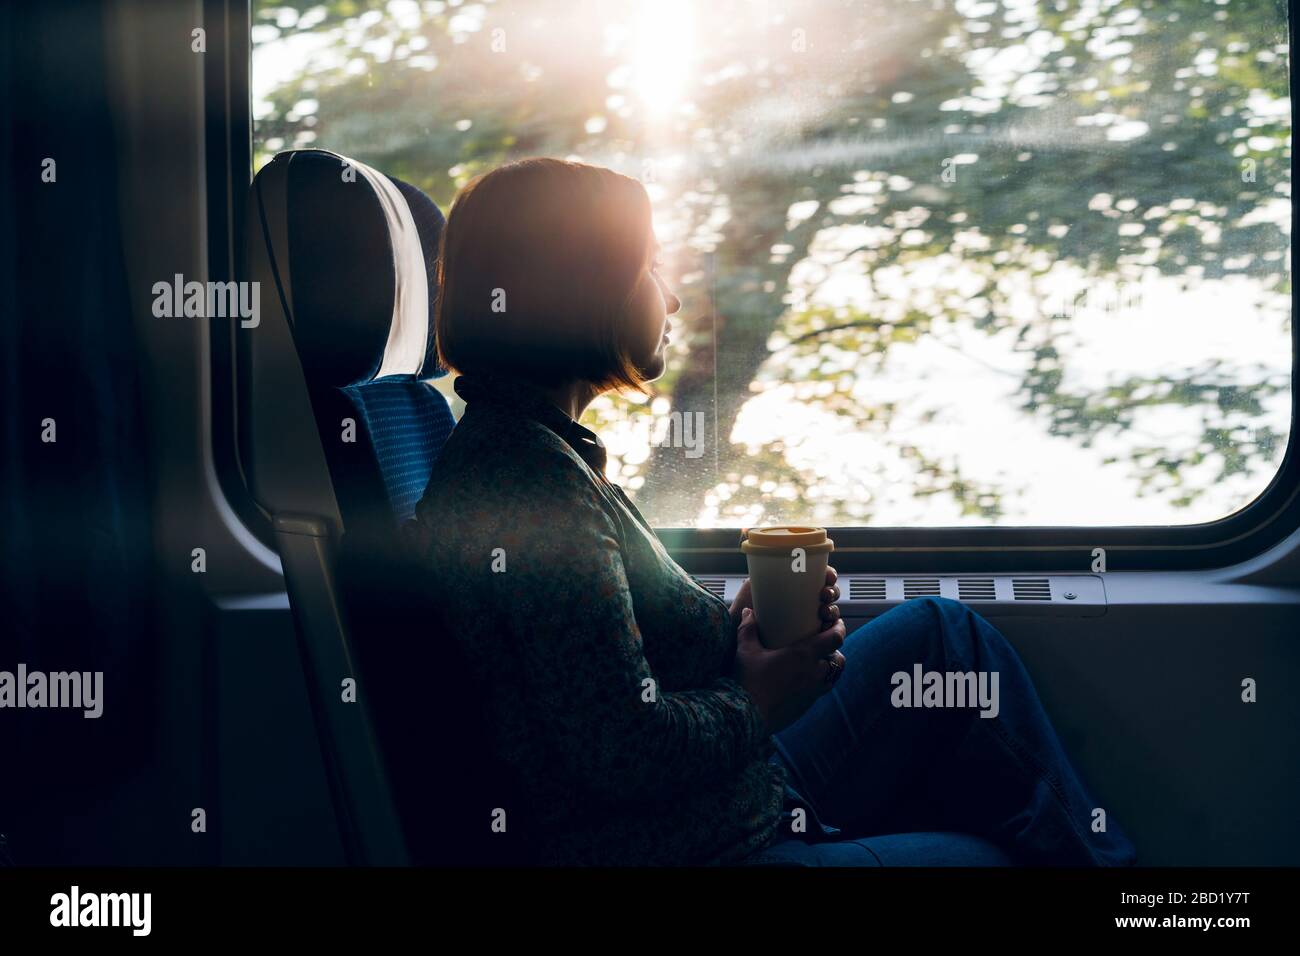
(787, 571)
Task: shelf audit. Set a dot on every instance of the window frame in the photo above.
(227, 146)
(1265, 521)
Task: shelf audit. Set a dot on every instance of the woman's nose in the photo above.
(672, 304)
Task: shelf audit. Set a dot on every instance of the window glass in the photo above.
(975, 263)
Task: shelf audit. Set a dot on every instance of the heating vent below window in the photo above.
(868, 593)
(866, 589)
(1031, 589)
(717, 585)
(976, 589)
(920, 587)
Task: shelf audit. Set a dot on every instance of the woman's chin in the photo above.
(654, 367)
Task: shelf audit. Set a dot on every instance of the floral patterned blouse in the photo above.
(609, 688)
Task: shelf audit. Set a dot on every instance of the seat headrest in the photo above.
(353, 252)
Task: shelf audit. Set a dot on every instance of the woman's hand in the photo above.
(830, 611)
(786, 681)
(744, 599)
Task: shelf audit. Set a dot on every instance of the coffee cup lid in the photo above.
(785, 537)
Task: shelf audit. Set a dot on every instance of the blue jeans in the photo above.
(882, 784)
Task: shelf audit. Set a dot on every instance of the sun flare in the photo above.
(663, 50)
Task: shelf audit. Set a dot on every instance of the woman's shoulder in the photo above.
(503, 445)
(491, 460)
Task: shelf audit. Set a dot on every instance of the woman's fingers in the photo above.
(835, 664)
(828, 641)
(830, 613)
(831, 593)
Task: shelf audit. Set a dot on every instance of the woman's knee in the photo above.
(943, 605)
(960, 630)
(939, 632)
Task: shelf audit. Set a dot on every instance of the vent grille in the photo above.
(1031, 589)
(920, 587)
(717, 585)
(871, 592)
(866, 589)
(976, 589)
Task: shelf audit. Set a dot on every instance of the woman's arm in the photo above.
(597, 704)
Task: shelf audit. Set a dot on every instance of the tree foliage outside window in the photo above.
(975, 263)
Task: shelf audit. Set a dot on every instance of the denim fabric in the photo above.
(886, 785)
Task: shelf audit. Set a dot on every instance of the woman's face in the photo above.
(648, 310)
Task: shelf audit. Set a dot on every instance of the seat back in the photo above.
(339, 432)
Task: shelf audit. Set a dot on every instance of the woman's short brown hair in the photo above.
(537, 263)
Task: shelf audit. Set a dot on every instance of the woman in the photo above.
(644, 720)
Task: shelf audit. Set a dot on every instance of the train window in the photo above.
(973, 263)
